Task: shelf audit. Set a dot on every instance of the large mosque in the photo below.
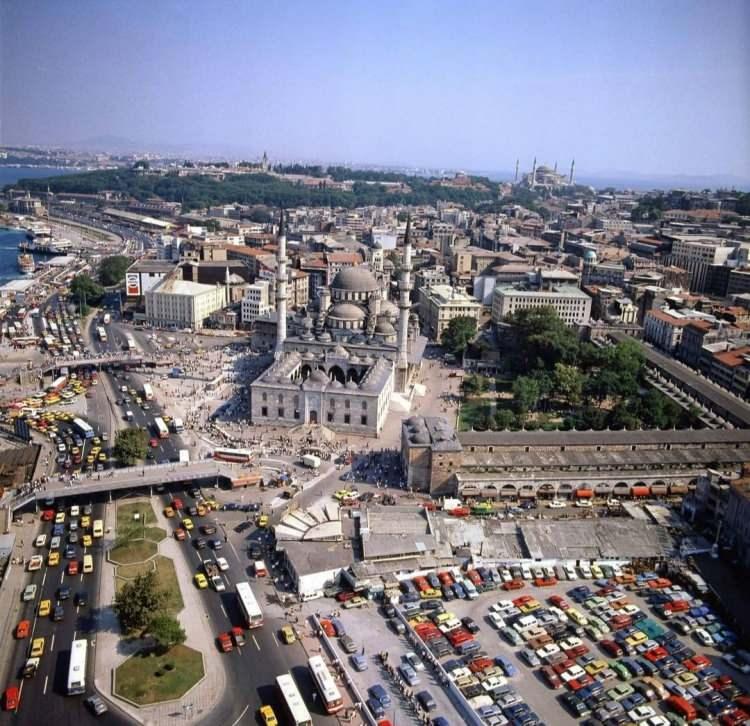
(344, 360)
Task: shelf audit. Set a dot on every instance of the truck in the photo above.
(148, 392)
(252, 478)
(106, 318)
(311, 461)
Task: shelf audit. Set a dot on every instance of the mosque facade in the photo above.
(344, 358)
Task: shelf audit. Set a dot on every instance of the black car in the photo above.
(193, 511)
(58, 613)
(200, 543)
(70, 552)
(208, 529)
(426, 701)
(87, 509)
(63, 593)
(216, 544)
(470, 625)
(82, 598)
(252, 507)
(389, 611)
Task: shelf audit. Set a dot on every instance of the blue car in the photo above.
(375, 708)
(338, 627)
(508, 668)
(458, 590)
(380, 694)
(580, 593)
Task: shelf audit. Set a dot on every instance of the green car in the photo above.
(622, 672)
(619, 692)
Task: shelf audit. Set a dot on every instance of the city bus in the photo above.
(77, 668)
(148, 392)
(239, 456)
(293, 702)
(177, 425)
(329, 692)
(98, 528)
(83, 428)
(102, 333)
(249, 605)
(58, 384)
(161, 428)
(130, 341)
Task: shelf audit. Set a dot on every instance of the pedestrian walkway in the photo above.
(112, 652)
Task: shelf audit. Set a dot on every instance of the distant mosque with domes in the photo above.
(543, 177)
(346, 356)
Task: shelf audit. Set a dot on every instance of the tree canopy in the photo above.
(112, 270)
(459, 333)
(138, 600)
(166, 631)
(131, 445)
(85, 291)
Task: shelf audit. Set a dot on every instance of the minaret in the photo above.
(281, 290)
(555, 166)
(533, 174)
(515, 178)
(572, 169)
(404, 304)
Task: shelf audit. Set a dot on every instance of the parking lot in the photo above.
(611, 650)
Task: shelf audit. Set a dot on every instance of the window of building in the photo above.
(347, 418)
(281, 398)
(281, 412)
(264, 411)
(347, 403)
(296, 413)
(330, 416)
(363, 420)
(364, 405)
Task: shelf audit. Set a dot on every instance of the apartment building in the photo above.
(257, 302)
(571, 304)
(438, 305)
(697, 254)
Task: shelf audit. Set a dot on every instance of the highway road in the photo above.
(43, 697)
(251, 670)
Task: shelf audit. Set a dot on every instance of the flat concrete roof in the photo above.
(307, 559)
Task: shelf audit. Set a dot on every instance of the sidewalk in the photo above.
(110, 652)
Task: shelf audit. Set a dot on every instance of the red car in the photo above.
(445, 578)
(550, 677)
(577, 651)
(458, 636)
(522, 600)
(238, 636)
(513, 585)
(611, 647)
(475, 577)
(736, 717)
(11, 697)
(22, 629)
(577, 683)
(655, 654)
(480, 664)
(545, 581)
(559, 602)
(344, 596)
(421, 584)
(153, 443)
(328, 628)
(48, 515)
(696, 663)
(177, 503)
(620, 621)
(225, 642)
(563, 665)
(73, 567)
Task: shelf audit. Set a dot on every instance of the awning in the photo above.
(678, 489)
(469, 491)
(657, 489)
(507, 492)
(602, 488)
(584, 493)
(640, 491)
(527, 494)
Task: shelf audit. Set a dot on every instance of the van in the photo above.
(88, 564)
(128, 415)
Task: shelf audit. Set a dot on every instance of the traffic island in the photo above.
(150, 677)
(166, 574)
(137, 534)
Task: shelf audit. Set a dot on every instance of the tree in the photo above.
(543, 338)
(525, 393)
(131, 445)
(112, 270)
(137, 602)
(85, 291)
(568, 383)
(475, 384)
(166, 631)
(457, 336)
(504, 419)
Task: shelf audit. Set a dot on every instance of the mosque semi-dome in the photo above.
(355, 279)
(347, 311)
(383, 327)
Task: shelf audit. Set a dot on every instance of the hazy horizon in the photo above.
(640, 90)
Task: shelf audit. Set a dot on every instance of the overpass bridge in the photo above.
(138, 477)
(115, 360)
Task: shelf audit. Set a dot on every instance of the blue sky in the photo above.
(649, 87)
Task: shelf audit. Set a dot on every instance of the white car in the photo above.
(54, 543)
(584, 503)
(75, 510)
(218, 584)
(641, 713)
(704, 637)
(570, 571)
(222, 564)
(526, 572)
(35, 563)
(572, 673)
(497, 620)
(556, 504)
(538, 572)
(613, 502)
(547, 650)
(413, 660)
(505, 575)
(40, 541)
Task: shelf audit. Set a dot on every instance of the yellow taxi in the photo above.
(168, 512)
(636, 639)
(419, 618)
(90, 459)
(37, 647)
(212, 503)
(529, 607)
(102, 457)
(263, 521)
(596, 666)
(60, 518)
(268, 716)
(430, 594)
(85, 521)
(87, 540)
(166, 419)
(97, 441)
(187, 524)
(686, 679)
(202, 511)
(287, 634)
(53, 559)
(200, 581)
(45, 606)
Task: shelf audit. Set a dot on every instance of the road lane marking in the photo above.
(221, 605)
(74, 634)
(62, 575)
(234, 550)
(256, 643)
(52, 643)
(239, 718)
(44, 690)
(276, 640)
(44, 578)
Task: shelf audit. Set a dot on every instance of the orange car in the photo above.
(22, 629)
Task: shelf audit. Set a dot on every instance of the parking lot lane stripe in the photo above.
(256, 643)
(44, 690)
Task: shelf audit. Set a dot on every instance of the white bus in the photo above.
(325, 684)
(77, 667)
(295, 705)
(239, 456)
(161, 428)
(177, 425)
(130, 341)
(83, 428)
(249, 605)
(148, 392)
(102, 333)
